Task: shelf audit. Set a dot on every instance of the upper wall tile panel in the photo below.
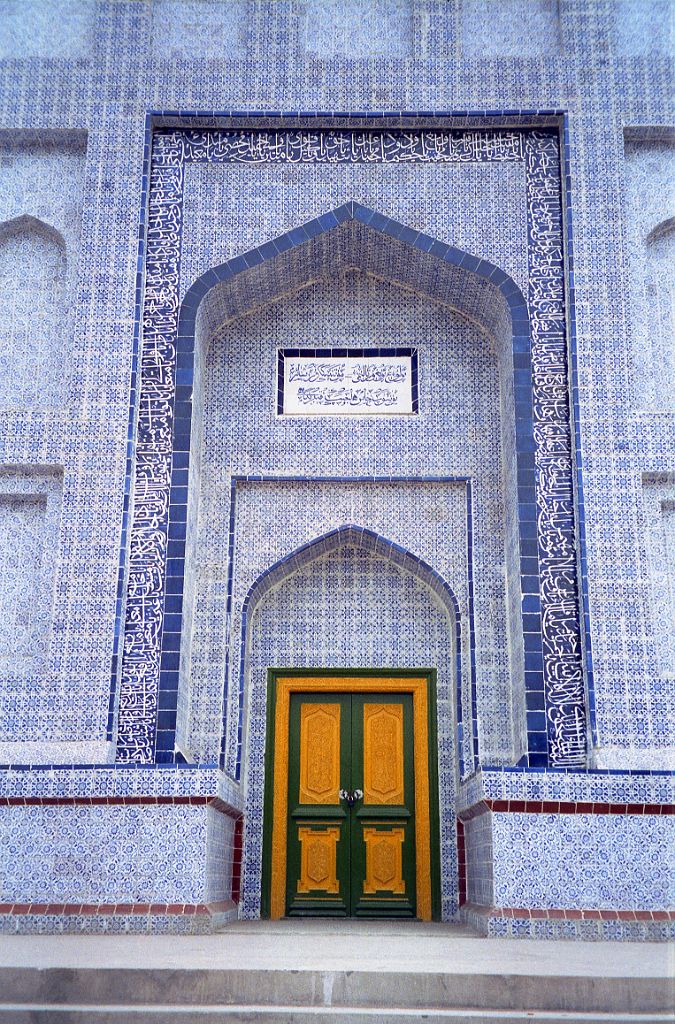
(358, 28)
(46, 28)
(510, 28)
(199, 29)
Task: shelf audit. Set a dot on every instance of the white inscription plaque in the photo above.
(365, 385)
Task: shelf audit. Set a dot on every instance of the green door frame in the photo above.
(377, 673)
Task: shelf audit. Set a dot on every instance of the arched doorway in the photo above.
(363, 631)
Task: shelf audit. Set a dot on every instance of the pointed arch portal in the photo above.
(355, 236)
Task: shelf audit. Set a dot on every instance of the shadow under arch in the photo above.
(27, 223)
(327, 544)
(353, 236)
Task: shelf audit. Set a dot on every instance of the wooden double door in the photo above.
(350, 833)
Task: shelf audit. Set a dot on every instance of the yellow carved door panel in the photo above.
(384, 860)
(383, 753)
(319, 754)
(318, 860)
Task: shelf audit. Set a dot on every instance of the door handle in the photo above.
(352, 797)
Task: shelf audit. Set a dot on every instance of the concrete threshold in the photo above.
(297, 972)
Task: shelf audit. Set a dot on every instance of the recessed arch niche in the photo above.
(33, 278)
(485, 310)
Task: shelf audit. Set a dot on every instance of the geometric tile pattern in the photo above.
(551, 860)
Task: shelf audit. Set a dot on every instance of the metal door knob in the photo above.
(352, 797)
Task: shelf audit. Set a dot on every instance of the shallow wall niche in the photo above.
(202, 29)
(348, 28)
(30, 509)
(353, 285)
(345, 602)
(658, 507)
(47, 28)
(41, 194)
(510, 28)
(33, 270)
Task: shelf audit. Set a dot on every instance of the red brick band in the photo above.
(565, 914)
(116, 908)
(560, 807)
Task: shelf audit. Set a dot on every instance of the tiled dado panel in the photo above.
(550, 532)
(566, 854)
(583, 861)
(115, 854)
(109, 849)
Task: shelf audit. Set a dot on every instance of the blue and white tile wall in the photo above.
(579, 861)
(105, 854)
(605, 62)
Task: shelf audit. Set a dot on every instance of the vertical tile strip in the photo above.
(564, 741)
(142, 654)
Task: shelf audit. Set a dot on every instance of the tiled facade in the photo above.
(166, 536)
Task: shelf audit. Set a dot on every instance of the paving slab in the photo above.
(341, 946)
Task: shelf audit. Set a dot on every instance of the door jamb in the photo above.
(273, 675)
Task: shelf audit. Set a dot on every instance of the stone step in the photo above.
(125, 1013)
(211, 993)
(314, 973)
